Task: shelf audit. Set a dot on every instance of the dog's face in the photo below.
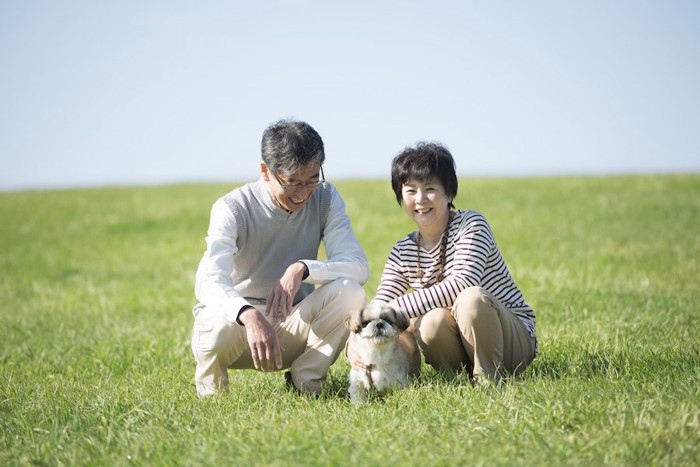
(377, 322)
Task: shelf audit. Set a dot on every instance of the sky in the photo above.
(158, 92)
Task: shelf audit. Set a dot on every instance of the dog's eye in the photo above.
(365, 323)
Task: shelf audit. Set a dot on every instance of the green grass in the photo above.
(95, 366)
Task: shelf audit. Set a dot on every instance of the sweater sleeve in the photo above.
(213, 284)
(345, 255)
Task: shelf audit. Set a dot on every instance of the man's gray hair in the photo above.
(289, 145)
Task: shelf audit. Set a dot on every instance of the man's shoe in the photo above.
(289, 384)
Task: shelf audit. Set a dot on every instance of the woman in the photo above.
(450, 278)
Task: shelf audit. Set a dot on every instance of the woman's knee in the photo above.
(433, 326)
(439, 340)
(473, 304)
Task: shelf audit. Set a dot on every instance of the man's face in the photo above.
(292, 192)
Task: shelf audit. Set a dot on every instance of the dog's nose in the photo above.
(380, 325)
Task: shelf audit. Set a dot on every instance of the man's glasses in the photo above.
(296, 186)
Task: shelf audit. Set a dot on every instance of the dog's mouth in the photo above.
(379, 339)
(380, 336)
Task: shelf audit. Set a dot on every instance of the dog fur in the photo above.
(380, 337)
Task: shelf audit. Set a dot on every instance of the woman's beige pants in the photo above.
(478, 333)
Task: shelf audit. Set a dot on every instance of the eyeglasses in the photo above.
(296, 186)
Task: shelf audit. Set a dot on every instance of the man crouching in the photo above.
(256, 282)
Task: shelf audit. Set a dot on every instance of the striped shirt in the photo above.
(472, 259)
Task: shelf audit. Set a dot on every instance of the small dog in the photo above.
(379, 337)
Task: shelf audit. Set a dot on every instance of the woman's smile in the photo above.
(427, 204)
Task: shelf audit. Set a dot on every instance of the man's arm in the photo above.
(213, 284)
(214, 288)
(345, 255)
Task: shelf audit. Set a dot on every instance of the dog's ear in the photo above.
(354, 320)
(402, 321)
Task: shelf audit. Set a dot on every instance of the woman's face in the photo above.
(426, 203)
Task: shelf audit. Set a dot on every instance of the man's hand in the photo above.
(265, 347)
(281, 297)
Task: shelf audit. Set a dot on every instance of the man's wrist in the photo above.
(306, 270)
(240, 313)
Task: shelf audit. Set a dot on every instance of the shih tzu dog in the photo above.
(379, 336)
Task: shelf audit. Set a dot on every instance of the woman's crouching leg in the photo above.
(494, 338)
(438, 338)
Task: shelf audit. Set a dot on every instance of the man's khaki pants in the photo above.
(478, 333)
(312, 338)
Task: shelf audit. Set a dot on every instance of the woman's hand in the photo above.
(355, 359)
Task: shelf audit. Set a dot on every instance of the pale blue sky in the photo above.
(95, 93)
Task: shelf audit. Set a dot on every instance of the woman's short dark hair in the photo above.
(289, 145)
(424, 162)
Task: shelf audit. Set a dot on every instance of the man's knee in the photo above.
(351, 291)
(348, 292)
(213, 336)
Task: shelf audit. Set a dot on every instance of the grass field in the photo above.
(95, 366)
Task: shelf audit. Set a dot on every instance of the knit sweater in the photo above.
(251, 241)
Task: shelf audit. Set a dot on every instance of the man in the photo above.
(259, 306)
